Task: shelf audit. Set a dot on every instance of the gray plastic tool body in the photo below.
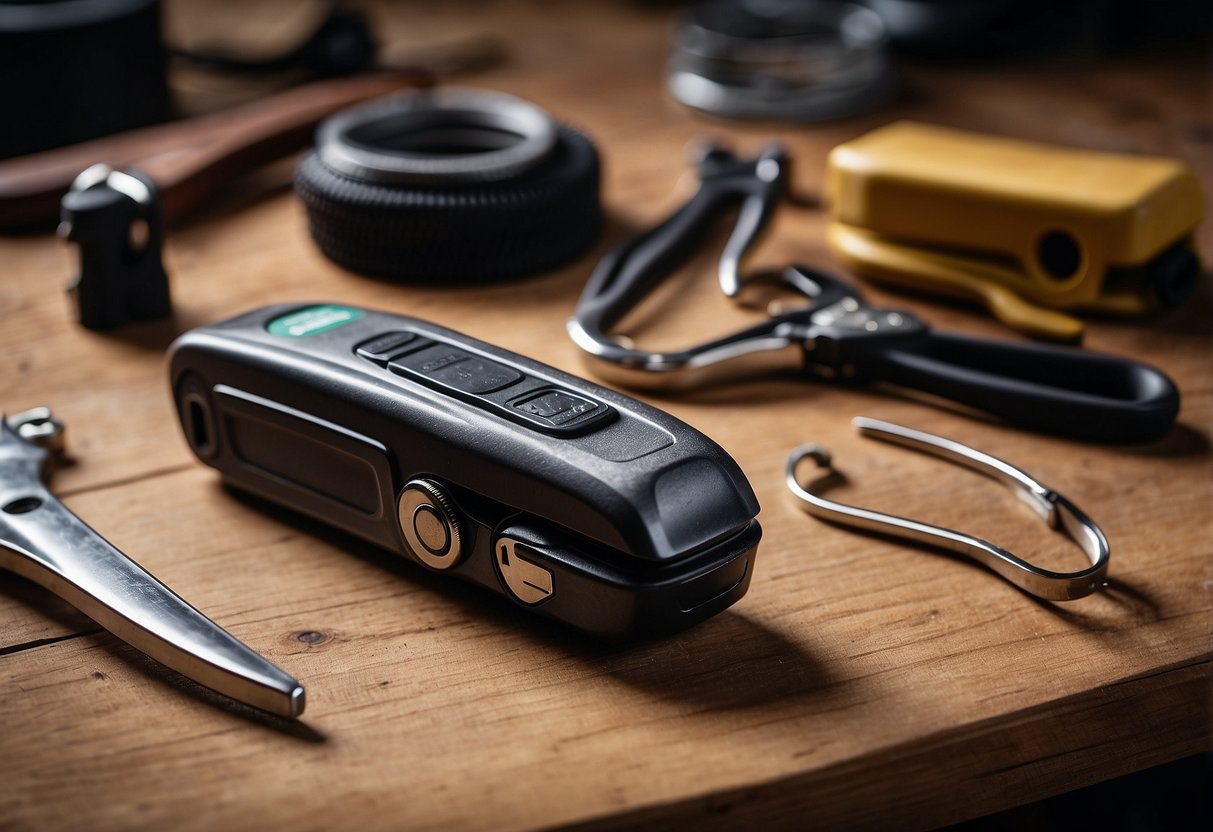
(574, 500)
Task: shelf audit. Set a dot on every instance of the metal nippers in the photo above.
(40, 539)
(835, 336)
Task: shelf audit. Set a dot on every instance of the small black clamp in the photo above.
(117, 220)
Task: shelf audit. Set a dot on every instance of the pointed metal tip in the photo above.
(298, 701)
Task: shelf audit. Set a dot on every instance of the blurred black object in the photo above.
(811, 60)
(116, 219)
(341, 44)
(73, 70)
(797, 61)
(450, 185)
(999, 29)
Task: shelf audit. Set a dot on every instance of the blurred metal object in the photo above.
(938, 27)
(779, 59)
(39, 426)
(449, 136)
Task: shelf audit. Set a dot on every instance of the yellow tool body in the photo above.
(1024, 228)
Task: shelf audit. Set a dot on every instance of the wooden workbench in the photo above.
(860, 683)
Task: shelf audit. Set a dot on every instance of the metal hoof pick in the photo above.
(40, 539)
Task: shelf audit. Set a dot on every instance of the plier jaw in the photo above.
(846, 335)
(837, 329)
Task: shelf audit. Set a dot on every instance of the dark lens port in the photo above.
(1059, 254)
(198, 430)
(198, 424)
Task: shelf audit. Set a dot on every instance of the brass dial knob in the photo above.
(430, 524)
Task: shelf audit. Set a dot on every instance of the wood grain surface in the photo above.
(860, 683)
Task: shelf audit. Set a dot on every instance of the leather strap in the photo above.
(189, 158)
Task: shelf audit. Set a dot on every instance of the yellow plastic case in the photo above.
(1015, 225)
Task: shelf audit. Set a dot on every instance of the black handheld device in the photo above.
(573, 500)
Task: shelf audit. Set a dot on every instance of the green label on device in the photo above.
(313, 320)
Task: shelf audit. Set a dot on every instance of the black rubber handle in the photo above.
(628, 273)
(1062, 390)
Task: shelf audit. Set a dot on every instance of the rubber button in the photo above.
(556, 406)
(457, 369)
(476, 376)
(430, 361)
(382, 348)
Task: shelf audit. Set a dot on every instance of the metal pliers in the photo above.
(838, 337)
(40, 539)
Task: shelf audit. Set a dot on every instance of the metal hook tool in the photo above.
(1052, 507)
(838, 337)
(40, 539)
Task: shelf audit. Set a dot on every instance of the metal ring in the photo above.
(437, 137)
(806, 61)
(102, 174)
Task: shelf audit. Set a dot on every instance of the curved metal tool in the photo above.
(40, 539)
(1052, 507)
(837, 337)
(628, 273)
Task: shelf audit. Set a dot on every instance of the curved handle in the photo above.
(637, 266)
(627, 274)
(1086, 395)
